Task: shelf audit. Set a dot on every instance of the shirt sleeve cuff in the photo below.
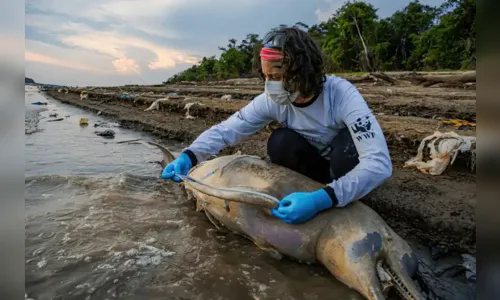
(329, 190)
(192, 157)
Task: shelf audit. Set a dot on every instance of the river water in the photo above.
(101, 224)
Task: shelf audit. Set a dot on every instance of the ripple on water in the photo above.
(107, 224)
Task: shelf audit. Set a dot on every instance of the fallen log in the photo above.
(385, 77)
(428, 80)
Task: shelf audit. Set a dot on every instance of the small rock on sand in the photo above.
(106, 133)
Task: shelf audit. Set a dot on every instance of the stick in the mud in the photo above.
(128, 141)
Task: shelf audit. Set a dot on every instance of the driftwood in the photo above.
(385, 77)
(428, 80)
(466, 80)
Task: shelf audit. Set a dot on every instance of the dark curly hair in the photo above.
(303, 62)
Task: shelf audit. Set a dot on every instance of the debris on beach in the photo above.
(127, 96)
(106, 124)
(467, 266)
(187, 107)
(54, 115)
(443, 148)
(55, 120)
(84, 95)
(226, 97)
(84, 121)
(39, 103)
(156, 104)
(106, 133)
(460, 124)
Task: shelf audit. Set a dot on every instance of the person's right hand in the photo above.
(181, 165)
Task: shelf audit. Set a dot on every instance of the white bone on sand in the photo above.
(449, 144)
(156, 104)
(226, 98)
(187, 107)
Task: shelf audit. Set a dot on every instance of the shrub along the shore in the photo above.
(418, 37)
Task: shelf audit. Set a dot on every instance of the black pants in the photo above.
(287, 148)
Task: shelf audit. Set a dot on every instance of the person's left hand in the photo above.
(299, 207)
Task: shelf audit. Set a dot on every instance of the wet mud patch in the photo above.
(437, 213)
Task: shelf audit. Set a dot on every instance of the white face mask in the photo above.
(276, 92)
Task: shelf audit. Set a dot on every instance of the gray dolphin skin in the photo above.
(354, 243)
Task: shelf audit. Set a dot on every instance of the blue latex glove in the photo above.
(299, 207)
(181, 165)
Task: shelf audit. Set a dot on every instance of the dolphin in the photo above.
(353, 242)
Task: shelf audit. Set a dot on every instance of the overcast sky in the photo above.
(110, 42)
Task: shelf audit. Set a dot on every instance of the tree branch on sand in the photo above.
(428, 80)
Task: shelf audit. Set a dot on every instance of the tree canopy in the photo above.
(355, 38)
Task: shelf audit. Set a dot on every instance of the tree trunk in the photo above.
(362, 42)
(428, 80)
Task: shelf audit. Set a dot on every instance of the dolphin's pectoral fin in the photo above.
(265, 247)
(275, 254)
(212, 220)
(200, 206)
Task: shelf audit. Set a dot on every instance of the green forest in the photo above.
(355, 39)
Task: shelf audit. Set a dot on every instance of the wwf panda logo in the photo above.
(362, 129)
(362, 125)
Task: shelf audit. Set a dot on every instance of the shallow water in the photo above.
(100, 224)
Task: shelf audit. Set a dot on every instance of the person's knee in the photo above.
(284, 144)
(290, 149)
(279, 139)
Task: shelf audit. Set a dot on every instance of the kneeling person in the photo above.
(329, 133)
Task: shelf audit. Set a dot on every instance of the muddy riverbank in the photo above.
(437, 210)
(101, 224)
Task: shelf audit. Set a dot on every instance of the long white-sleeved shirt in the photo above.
(339, 105)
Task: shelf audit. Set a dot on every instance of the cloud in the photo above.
(111, 42)
(40, 58)
(44, 53)
(137, 37)
(126, 65)
(150, 40)
(333, 6)
(115, 46)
